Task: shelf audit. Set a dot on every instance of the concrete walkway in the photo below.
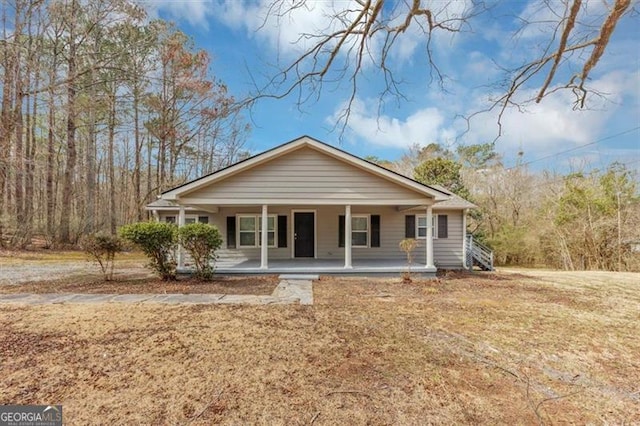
(298, 289)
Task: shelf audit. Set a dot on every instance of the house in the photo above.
(308, 206)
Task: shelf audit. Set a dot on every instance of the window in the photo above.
(250, 228)
(359, 231)
(188, 219)
(195, 219)
(421, 226)
(271, 231)
(247, 231)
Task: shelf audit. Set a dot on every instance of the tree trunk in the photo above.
(112, 178)
(69, 171)
(50, 192)
(6, 122)
(90, 162)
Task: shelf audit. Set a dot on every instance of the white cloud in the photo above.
(542, 129)
(541, 19)
(423, 126)
(287, 28)
(195, 12)
(283, 28)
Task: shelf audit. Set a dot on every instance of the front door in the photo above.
(304, 234)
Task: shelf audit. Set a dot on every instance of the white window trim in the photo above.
(258, 236)
(434, 225)
(368, 231)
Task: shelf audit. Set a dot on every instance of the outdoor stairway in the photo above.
(478, 255)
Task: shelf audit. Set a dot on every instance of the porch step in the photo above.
(298, 277)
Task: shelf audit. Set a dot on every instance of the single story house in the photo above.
(307, 206)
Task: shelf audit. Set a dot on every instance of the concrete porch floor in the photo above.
(319, 266)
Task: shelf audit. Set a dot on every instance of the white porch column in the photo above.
(464, 238)
(347, 237)
(264, 239)
(429, 241)
(181, 218)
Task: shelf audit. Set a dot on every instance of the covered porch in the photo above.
(319, 267)
(304, 238)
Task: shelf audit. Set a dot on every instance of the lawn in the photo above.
(516, 347)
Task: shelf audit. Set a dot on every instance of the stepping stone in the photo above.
(92, 298)
(131, 298)
(299, 277)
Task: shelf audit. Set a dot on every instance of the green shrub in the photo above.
(158, 241)
(103, 249)
(201, 241)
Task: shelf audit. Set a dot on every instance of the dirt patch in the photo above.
(545, 348)
(42, 265)
(258, 285)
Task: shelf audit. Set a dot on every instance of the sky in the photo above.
(249, 47)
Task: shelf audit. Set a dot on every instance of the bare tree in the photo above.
(75, 122)
(367, 32)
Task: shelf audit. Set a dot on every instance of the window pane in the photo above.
(170, 219)
(203, 219)
(359, 238)
(358, 223)
(422, 232)
(247, 238)
(271, 223)
(271, 239)
(422, 221)
(189, 220)
(247, 223)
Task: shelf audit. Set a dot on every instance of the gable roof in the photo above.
(305, 141)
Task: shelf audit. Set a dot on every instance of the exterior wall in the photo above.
(303, 174)
(447, 251)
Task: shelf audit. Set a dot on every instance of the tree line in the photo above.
(101, 110)
(574, 221)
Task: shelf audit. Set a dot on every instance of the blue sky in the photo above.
(244, 53)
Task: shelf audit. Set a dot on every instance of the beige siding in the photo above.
(447, 251)
(305, 174)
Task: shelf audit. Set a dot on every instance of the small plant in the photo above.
(201, 241)
(158, 241)
(408, 245)
(102, 248)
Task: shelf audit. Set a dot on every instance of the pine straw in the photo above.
(497, 348)
(145, 284)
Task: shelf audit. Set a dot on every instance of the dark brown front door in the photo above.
(303, 234)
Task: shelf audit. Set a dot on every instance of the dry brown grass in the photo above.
(521, 347)
(30, 257)
(144, 284)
